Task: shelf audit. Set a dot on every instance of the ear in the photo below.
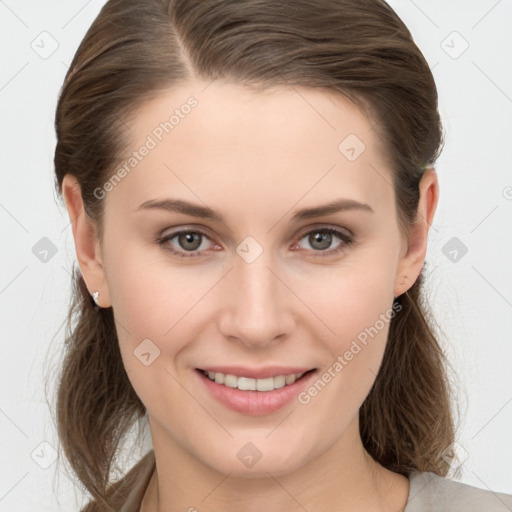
(411, 263)
(87, 245)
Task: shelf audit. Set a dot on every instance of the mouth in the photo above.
(255, 392)
(245, 383)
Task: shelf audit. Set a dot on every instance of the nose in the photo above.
(256, 304)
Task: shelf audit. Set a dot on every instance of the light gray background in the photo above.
(471, 293)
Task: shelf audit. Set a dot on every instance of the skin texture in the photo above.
(256, 158)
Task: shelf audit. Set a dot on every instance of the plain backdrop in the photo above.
(467, 45)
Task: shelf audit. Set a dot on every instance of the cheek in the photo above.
(154, 313)
(354, 360)
(356, 306)
(157, 309)
(354, 295)
(149, 295)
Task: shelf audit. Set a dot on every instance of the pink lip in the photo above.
(255, 373)
(255, 403)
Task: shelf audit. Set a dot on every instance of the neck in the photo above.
(342, 478)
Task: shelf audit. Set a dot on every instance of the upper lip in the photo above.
(257, 373)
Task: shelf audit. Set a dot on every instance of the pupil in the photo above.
(323, 236)
(190, 238)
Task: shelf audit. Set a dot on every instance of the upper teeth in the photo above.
(248, 384)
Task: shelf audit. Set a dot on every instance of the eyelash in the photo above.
(346, 239)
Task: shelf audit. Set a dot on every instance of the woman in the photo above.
(251, 186)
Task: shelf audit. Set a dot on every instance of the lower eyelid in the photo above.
(164, 241)
(346, 240)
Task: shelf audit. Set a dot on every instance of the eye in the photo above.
(321, 239)
(192, 243)
(189, 241)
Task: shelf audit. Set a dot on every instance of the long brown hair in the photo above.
(360, 49)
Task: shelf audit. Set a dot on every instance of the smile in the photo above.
(255, 391)
(250, 384)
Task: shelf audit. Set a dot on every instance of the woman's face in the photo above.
(263, 285)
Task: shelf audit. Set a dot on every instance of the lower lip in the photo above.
(255, 403)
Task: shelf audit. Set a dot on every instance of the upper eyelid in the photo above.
(204, 231)
(301, 234)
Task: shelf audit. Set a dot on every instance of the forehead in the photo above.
(205, 139)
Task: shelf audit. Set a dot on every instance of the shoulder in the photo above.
(433, 493)
(126, 494)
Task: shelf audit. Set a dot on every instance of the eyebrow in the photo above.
(195, 210)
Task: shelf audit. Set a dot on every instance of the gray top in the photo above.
(428, 492)
(432, 493)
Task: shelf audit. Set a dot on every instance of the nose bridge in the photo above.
(257, 306)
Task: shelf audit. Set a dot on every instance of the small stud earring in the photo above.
(95, 296)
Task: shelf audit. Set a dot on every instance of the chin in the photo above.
(249, 462)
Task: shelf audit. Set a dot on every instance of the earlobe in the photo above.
(411, 264)
(87, 246)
